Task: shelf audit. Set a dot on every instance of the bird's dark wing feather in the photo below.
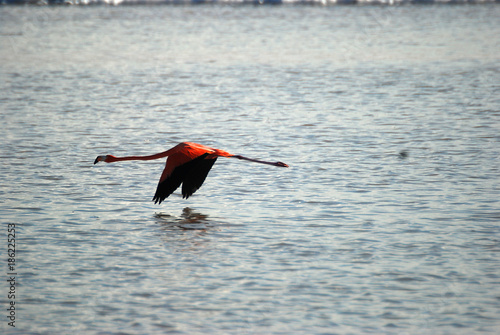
(191, 174)
(196, 176)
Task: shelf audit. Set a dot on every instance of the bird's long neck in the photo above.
(111, 158)
(259, 161)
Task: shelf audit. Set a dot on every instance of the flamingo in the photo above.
(187, 164)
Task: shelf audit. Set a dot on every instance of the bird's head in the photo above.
(106, 158)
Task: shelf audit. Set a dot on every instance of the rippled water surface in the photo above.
(387, 220)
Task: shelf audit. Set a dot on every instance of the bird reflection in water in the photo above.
(189, 219)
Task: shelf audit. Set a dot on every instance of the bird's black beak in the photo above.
(96, 160)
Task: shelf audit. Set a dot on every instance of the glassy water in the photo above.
(387, 220)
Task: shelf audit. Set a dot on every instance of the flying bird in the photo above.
(187, 164)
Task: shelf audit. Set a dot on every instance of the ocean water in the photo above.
(386, 222)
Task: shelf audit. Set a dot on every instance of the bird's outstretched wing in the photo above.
(191, 175)
(196, 176)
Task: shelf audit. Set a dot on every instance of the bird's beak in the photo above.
(97, 160)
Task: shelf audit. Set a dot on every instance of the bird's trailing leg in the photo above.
(281, 164)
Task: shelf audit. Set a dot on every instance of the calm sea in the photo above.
(386, 222)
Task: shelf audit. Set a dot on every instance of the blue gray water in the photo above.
(386, 222)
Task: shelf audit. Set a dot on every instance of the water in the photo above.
(387, 220)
